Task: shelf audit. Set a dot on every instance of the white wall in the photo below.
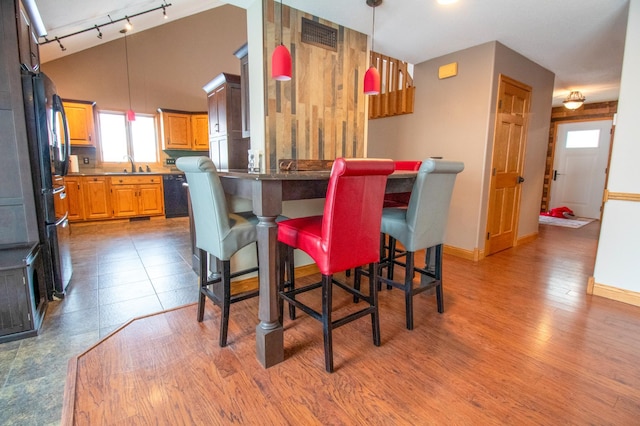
(454, 118)
(619, 246)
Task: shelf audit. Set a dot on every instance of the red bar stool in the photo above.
(344, 237)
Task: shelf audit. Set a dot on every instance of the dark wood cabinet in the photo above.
(27, 41)
(243, 55)
(227, 148)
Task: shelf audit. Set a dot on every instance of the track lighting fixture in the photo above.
(97, 27)
(61, 46)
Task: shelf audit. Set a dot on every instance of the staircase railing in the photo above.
(397, 92)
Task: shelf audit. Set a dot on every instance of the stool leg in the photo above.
(226, 301)
(291, 270)
(438, 276)
(203, 283)
(373, 292)
(326, 322)
(408, 288)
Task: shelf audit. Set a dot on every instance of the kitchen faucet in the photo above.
(133, 166)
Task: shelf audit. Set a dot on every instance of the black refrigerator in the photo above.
(49, 150)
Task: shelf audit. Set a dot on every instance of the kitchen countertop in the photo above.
(100, 173)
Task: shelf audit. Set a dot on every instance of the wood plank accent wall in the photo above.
(320, 114)
(559, 115)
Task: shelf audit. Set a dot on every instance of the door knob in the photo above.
(556, 174)
(520, 179)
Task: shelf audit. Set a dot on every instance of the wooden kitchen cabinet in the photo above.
(227, 147)
(137, 196)
(80, 120)
(96, 197)
(200, 131)
(243, 55)
(75, 200)
(184, 130)
(87, 198)
(27, 42)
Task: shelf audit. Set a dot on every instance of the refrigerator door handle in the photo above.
(58, 107)
(62, 219)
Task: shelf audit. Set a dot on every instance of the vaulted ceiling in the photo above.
(581, 41)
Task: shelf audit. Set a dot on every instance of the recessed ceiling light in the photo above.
(447, 1)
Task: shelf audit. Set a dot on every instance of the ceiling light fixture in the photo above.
(128, 26)
(131, 116)
(574, 100)
(281, 58)
(164, 12)
(98, 26)
(372, 76)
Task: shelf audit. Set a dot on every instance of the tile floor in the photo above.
(121, 270)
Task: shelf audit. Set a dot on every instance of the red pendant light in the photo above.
(281, 58)
(372, 81)
(372, 76)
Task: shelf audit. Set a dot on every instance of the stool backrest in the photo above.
(208, 204)
(407, 165)
(428, 208)
(352, 213)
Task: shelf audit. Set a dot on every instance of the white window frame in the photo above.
(125, 163)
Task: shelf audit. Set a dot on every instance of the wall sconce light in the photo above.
(574, 100)
(281, 58)
(372, 76)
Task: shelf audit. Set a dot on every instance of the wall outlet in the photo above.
(170, 161)
(85, 160)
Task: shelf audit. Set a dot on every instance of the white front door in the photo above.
(580, 163)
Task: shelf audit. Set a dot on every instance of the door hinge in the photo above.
(493, 172)
(499, 104)
(488, 235)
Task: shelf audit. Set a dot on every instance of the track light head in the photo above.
(61, 46)
(99, 33)
(128, 26)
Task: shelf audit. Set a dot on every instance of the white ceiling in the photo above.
(581, 41)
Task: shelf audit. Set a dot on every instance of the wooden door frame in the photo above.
(502, 78)
(551, 157)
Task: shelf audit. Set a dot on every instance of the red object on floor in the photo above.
(560, 212)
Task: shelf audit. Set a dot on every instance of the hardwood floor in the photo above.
(520, 342)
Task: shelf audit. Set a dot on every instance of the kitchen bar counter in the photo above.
(268, 191)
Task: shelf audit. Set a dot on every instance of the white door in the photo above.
(580, 163)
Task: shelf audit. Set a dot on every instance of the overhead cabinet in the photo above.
(80, 120)
(227, 147)
(183, 130)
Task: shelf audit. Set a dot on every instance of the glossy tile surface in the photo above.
(121, 271)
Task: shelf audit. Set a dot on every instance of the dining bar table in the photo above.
(268, 190)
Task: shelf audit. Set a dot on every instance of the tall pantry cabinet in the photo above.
(227, 148)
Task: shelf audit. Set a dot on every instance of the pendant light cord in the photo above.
(373, 27)
(281, 22)
(126, 53)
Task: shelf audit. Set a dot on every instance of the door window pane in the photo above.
(583, 138)
(113, 137)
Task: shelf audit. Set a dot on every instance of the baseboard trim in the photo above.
(527, 238)
(473, 255)
(614, 293)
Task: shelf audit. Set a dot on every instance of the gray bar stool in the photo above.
(418, 227)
